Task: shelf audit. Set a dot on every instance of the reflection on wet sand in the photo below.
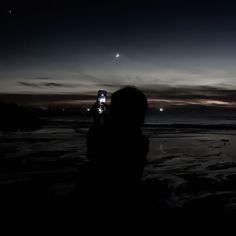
(188, 168)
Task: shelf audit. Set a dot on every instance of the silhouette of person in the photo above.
(117, 148)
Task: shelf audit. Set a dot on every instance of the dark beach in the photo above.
(190, 168)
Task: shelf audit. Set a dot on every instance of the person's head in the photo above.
(129, 106)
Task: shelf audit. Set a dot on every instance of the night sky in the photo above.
(62, 52)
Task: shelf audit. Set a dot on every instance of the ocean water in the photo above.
(169, 118)
(193, 119)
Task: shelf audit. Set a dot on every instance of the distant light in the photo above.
(88, 109)
(10, 11)
(161, 109)
(117, 55)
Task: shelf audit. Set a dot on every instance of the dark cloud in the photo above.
(46, 99)
(190, 92)
(47, 84)
(161, 94)
(53, 84)
(193, 95)
(29, 84)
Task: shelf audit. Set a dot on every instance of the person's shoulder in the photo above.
(142, 137)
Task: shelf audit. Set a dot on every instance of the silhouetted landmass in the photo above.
(16, 118)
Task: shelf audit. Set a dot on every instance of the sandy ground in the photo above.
(197, 166)
(188, 168)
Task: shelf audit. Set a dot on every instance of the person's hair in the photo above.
(129, 106)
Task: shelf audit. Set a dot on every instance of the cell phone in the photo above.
(102, 97)
(101, 100)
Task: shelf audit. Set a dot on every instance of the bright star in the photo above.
(117, 55)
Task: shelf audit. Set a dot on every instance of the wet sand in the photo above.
(197, 167)
(188, 168)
